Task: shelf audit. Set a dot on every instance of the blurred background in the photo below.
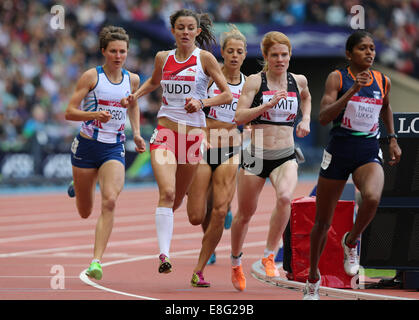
(40, 65)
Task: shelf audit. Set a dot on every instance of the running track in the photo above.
(45, 247)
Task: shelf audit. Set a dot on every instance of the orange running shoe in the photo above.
(270, 266)
(237, 278)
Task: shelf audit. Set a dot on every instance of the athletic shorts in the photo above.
(185, 147)
(216, 156)
(88, 153)
(263, 167)
(343, 155)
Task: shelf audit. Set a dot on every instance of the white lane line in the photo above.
(13, 276)
(88, 281)
(81, 233)
(70, 223)
(118, 243)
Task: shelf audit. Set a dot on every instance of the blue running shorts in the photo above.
(343, 155)
(87, 153)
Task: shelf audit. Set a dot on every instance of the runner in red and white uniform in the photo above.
(175, 146)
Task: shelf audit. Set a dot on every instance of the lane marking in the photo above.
(87, 280)
(119, 243)
(69, 223)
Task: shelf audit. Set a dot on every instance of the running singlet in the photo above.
(225, 112)
(181, 80)
(361, 114)
(285, 111)
(107, 96)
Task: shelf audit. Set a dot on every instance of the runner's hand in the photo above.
(125, 102)
(103, 116)
(139, 143)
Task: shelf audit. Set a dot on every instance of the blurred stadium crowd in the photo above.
(39, 66)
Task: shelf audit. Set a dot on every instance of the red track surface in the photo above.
(42, 232)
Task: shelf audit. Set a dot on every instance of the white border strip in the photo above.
(259, 273)
(83, 277)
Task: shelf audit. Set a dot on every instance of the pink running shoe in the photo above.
(165, 265)
(198, 280)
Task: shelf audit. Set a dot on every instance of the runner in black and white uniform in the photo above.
(270, 101)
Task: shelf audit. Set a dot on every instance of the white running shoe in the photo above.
(311, 290)
(350, 260)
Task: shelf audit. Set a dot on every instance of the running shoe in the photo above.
(212, 259)
(237, 278)
(350, 258)
(270, 267)
(70, 190)
(311, 290)
(95, 271)
(165, 266)
(198, 280)
(228, 220)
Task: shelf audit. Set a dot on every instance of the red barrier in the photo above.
(303, 211)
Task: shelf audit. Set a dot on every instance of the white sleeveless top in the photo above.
(225, 112)
(107, 96)
(181, 80)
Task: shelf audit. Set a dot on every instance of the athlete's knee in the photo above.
(320, 226)
(283, 200)
(85, 213)
(219, 212)
(167, 195)
(370, 199)
(109, 202)
(242, 217)
(195, 219)
(84, 210)
(196, 215)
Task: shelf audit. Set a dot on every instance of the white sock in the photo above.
(267, 252)
(164, 226)
(96, 260)
(236, 261)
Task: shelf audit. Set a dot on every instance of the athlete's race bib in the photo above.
(284, 111)
(361, 114)
(178, 81)
(224, 112)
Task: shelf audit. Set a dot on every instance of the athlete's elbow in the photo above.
(238, 119)
(67, 115)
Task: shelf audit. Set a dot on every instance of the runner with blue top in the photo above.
(97, 152)
(354, 99)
